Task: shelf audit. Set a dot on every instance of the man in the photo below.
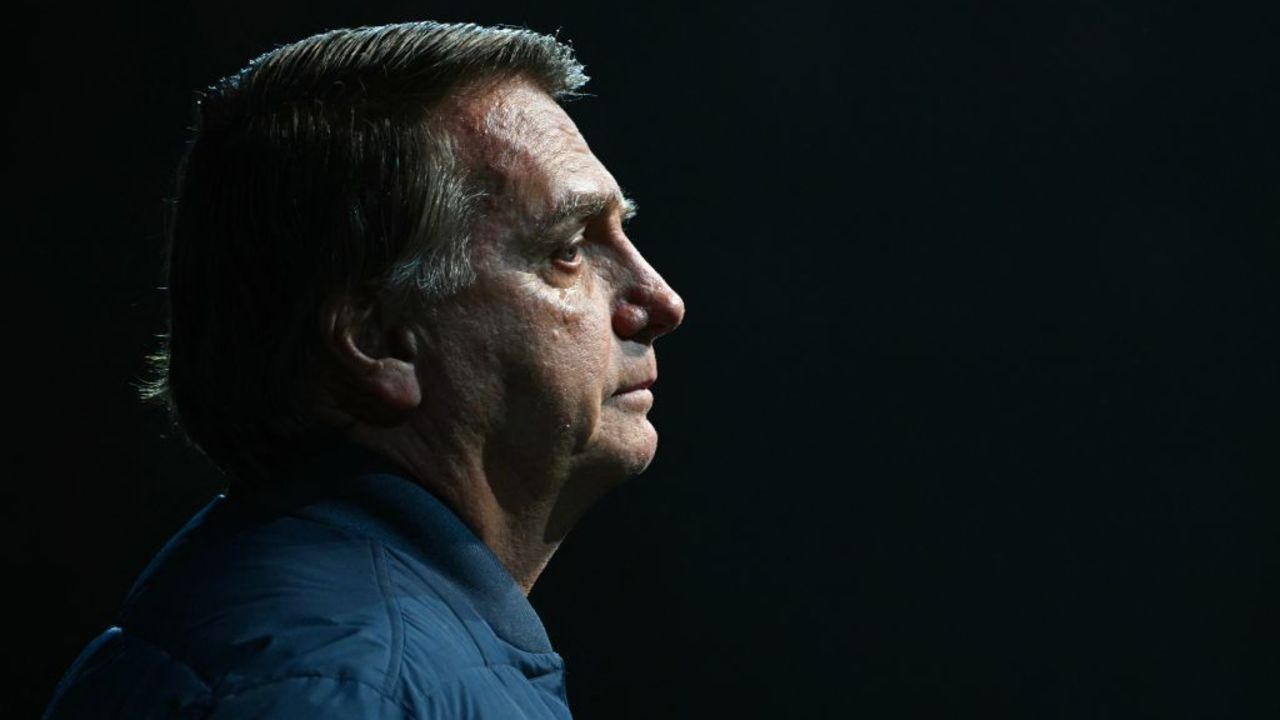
(407, 322)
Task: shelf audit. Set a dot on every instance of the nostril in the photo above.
(648, 314)
(629, 320)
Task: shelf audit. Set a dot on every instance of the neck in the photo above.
(503, 508)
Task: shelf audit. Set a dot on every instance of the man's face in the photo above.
(546, 357)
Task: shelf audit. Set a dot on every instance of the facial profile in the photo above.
(549, 354)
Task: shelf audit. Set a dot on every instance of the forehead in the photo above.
(524, 145)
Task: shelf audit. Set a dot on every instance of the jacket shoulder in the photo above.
(229, 615)
(121, 676)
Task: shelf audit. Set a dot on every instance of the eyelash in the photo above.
(575, 248)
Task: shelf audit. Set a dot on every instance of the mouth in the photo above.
(642, 385)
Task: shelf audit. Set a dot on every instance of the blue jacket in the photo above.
(343, 591)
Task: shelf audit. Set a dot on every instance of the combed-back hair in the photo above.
(317, 169)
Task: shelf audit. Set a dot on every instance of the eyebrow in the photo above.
(579, 205)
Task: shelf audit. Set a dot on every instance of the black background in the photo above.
(973, 413)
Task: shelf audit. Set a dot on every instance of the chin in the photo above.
(635, 464)
(622, 453)
(641, 446)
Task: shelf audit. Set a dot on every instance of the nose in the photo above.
(647, 309)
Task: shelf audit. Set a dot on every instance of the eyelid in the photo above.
(578, 239)
(578, 243)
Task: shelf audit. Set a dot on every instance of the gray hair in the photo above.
(319, 168)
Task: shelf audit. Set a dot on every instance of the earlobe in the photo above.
(394, 384)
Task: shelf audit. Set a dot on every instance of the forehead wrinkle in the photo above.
(525, 146)
(494, 134)
(527, 150)
(526, 132)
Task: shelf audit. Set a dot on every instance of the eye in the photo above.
(569, 255)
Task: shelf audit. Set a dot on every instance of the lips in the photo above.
(642, 385)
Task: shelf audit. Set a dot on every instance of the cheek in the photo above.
(579, 331)
(578, 362)
(558, 349)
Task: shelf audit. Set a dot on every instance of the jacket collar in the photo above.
(353, 487)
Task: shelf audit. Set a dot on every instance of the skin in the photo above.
(514, 400)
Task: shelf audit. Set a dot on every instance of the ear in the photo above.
(371, 365)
